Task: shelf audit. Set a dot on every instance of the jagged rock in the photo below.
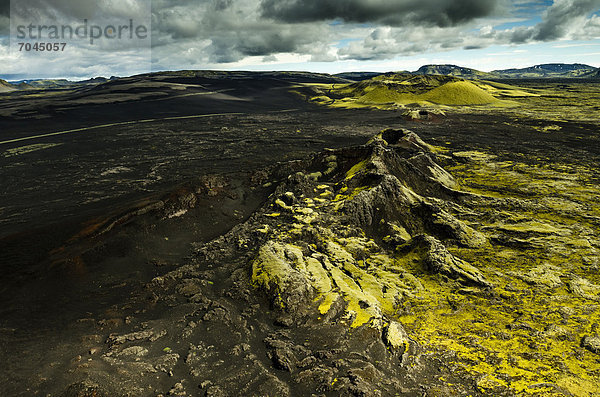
(557, 332)
(443, 224)
(273, 386)
(214, 391)
(592, 343)
(584, 288)
(189, 287)
(284, 354)
(178, 390)
(133, 351)
(166, 363)
(383, 201)
(434, 180)
(283, 359)
(544, 275)
(84, 389)
(395, 234)
(281, 271)
(120, 339)
(387, 184)
(439, 260)
(396, 337)
(401, 138)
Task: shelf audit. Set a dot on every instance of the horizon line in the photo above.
(9, 80)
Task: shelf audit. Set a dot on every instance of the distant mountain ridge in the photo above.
(549, 70)
(543, 71)
(453, 70)
(56, 83)
(358, 76)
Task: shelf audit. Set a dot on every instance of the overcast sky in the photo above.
(316, 35)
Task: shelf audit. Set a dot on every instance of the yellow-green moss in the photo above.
(513, 342)
(525, 334)
(356, 169)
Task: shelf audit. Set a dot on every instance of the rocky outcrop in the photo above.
(440, 261)
(346, 241)
(332, 238)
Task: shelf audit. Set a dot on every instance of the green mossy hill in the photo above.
(459, 93)
(594, 74)
(5, 86)
(399, 89)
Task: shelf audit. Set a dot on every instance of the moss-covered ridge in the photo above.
(477, 268)
(343, 238)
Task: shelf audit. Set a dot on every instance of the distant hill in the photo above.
(452, 70)
(595, 74)
(358, 76)
(41, 84)
(5, 86)
(406, 89)
(21, 86)
(212, 75)
(46, 83)
(549, 70)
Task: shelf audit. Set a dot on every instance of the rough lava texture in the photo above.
(366, 274)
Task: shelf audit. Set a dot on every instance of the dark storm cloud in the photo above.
(4, 17)
(4, 7)
(389, 12)
(221, 5)
(263, 45)
(79, 10)
(223, 31)
(234, 47)
(559, 18)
